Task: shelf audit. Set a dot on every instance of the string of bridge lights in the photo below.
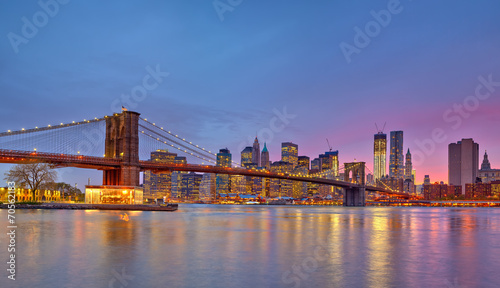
(184, 140)
(50, 127)
(180, 149)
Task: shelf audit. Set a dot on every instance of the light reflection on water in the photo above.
(257, 246)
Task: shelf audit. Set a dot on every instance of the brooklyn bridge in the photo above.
(127, 139)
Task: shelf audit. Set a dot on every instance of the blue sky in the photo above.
(229, 71)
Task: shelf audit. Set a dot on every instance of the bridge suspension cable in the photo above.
(83, 137)
(178, 148)
(168, 136)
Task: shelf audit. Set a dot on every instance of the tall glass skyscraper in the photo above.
(379, 155)
(265, 158)
(396, 164)
(290, 153)
(247, 156)
(222, 180)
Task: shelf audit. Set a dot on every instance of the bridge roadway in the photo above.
(102, 163)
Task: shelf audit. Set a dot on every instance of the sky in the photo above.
(220, 72)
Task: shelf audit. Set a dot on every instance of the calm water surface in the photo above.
(256, 246)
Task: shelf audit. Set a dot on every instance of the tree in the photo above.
(32, 176)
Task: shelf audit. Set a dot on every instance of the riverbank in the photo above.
(118, 207)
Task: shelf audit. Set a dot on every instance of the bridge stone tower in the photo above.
(355, 196)
(122, 142)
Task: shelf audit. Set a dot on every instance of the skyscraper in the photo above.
(379, 155)
(191, 186)
(304, 162)
(158, 185)
(247, 156)
(265, 158)
(396, 164)
(463, 162)
(177, 177)
(408, 167)
(256, 152)
(316, 164)
(290, 153)
(207, 187)
(222, 180)
(330, 161)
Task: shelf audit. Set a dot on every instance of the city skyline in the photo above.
(289, 63)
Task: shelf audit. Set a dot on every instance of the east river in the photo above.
(255, 246)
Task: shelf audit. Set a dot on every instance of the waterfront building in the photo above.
(207, 187)
(256, 152)
(438, 191)
(177, 177)
(281, 187)
(113, 194)
(486, 173)
(223, 180)
(238, 184)
(191, 186)
(379, 155)
(159, 185)
(396, 163)
(463, 162)
(477, 190)
(289, 153)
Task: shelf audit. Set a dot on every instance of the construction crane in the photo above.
(329, 146)
(380, 131)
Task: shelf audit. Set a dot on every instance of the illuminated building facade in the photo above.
(113, 194)
(477, 190)
(159, 185)
(408, 167)
(177, 177)
(246, 156)
(281, 187)
(289, 153)
(191, 186)
(223, 180)
(316, 165)
(487, 174)
(207, 187)
(379, 155)
(463, 162)
(303, 161)
(238, 184)
(256, 153)
(330, 161)
(264, 159)
(396, 164)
